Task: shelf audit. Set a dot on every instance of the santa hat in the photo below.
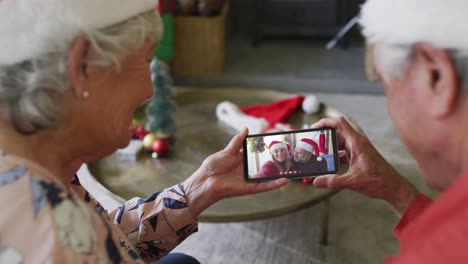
(275, 112)
(33, 27)
(274, 145)
(310, 146)
(441, 23)
(269, 117)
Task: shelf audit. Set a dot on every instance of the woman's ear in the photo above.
(77, 67)
(441, 78)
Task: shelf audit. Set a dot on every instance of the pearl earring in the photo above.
(85, 94)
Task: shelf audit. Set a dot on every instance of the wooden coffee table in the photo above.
(198, 135)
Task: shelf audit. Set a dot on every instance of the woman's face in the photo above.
(114, 97)
(280, 154)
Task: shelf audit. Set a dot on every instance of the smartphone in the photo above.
(292, 154)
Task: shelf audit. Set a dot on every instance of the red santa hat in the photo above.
(269, 117)
(275, 112)
(274, 145)
(30, 28)
(310, 146)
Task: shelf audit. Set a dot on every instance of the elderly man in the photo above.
(421, 54)
(305, 161)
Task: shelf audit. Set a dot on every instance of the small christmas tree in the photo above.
(160, 110)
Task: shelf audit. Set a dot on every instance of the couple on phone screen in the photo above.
(305, 158)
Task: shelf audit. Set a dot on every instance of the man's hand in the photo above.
(369, 173)
(221, 175)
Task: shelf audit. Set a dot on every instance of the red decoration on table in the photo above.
(307, 180)
(138, 131)
(161, 147)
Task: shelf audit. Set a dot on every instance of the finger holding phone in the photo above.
(369, 173)
(221, 176)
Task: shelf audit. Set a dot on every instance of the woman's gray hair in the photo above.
(393, 61)
(29, 89)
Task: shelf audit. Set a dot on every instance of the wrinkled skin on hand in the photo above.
(221, 175)
(369, 173)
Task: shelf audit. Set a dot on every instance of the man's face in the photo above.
(407, 104)
(400, 108)
(301, 155)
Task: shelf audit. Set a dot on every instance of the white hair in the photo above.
(395, 26)
(393, 61)
(28, 88)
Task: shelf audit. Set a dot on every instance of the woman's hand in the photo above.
(221, 175)
(369, 173)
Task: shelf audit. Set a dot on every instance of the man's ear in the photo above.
(441, 77)
(77, 67)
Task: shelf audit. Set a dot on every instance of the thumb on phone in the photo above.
(331, 181)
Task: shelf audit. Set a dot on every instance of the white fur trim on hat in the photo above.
(306, 146)
(231, 115)
(440, 23)
(32, 27)
(278, 146)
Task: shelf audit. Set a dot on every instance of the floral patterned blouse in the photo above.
(44, 221)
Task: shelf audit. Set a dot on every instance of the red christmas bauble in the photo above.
(138, 131)
(161, 147)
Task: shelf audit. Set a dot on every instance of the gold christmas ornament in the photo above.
(148, 141)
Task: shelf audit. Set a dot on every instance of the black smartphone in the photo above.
(292, 154)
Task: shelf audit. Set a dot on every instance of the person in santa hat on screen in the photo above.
(280, 163)
(421, 55)
(307, 158)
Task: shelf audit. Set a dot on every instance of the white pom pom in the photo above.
(319, 158)
(311, 104)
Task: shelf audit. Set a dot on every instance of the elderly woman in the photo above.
(72, 72)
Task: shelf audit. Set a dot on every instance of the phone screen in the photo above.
(292, 154)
